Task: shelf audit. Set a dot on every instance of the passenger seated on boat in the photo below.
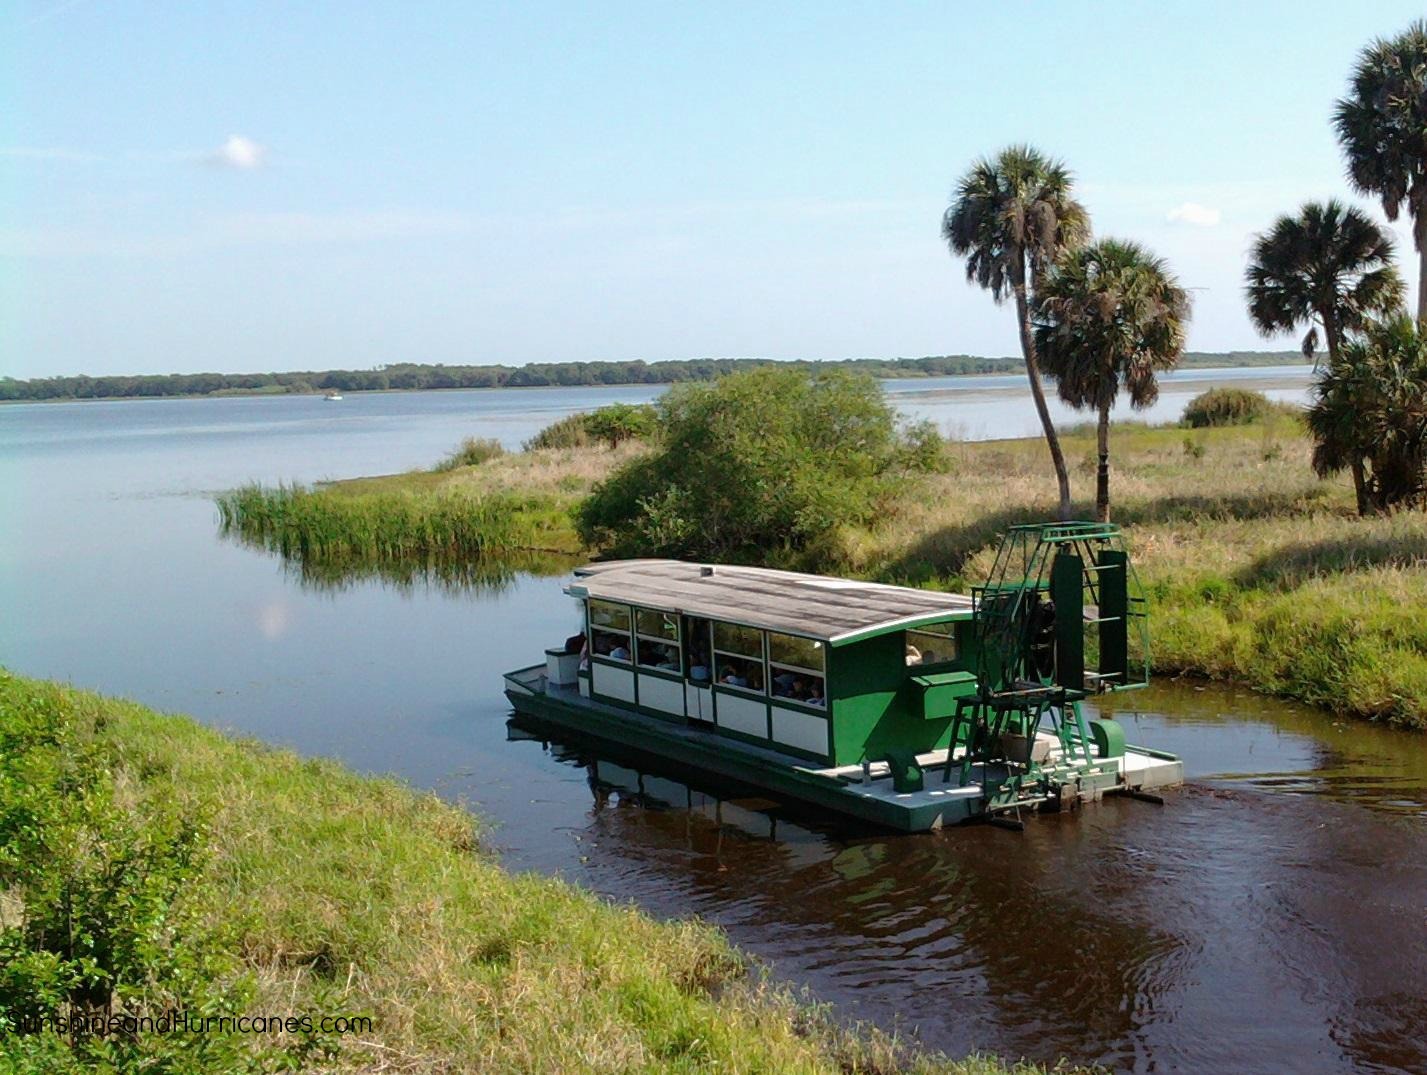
(914, 655)
(699, 674)
(733, 679)
(784, 684)
(575, 643)
(619, 653)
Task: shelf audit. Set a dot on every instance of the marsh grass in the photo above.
(1257, 571)
(324, 892)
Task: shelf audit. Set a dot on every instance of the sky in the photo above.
(249, 186)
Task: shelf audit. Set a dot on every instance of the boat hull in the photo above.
(702, 750)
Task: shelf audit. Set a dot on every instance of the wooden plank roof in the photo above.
(817, 606)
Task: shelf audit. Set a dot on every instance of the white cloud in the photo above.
(239, 152)
(1200, 216)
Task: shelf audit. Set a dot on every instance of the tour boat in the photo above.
(901, 707)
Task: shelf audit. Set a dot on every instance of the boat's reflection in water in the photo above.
(629, 779)
(1228, 930)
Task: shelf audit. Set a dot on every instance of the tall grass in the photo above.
(316, 891)
(1257, 571)
(388, 525)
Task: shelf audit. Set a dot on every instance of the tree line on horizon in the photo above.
(412, 376)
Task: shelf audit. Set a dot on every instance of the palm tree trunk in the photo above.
(1331, 334)
(1033, 373)
(1102, 472)
(1419, 236)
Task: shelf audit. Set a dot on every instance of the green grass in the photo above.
(384, 527)
(1258, 572)
(309, 889)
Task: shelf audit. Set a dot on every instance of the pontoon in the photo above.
(902, 707)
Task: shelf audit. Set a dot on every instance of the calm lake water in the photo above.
(1271, 917)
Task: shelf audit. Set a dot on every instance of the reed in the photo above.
(392, 526)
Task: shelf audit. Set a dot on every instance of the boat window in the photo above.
(608, 614)
(656, 643)
(696, 650)
(652, 624)
(932, 643)
(796, 668)
(609, 630)
(738, 656)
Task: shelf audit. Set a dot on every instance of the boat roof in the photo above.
(832, 610)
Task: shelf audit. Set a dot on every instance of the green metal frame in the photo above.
(1049, 582)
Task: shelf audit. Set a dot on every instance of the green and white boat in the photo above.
(906, 708)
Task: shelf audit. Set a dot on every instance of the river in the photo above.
(1272, 916)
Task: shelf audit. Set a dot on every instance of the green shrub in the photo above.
(1231, 407)
(766, 464)
(568, 432)
(472, 452)
(620, 422)
(612, 426)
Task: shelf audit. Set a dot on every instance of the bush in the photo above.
(472, 452)
(620, 422)
(766, 464)
(612, 425)
(1231, 407)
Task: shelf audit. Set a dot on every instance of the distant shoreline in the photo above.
(310, 383)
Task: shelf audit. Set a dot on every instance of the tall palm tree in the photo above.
(1329, 267)
(1011, 217)
(1107, 315)
(1370, 411)
(1382, 125)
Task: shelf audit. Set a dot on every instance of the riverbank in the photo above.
(226, 878)
(1258, 572)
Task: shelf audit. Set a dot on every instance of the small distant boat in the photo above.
(333, 397)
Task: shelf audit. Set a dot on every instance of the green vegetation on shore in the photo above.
(1259, 572)
(150, 864)
(407, 376)
(461, 523)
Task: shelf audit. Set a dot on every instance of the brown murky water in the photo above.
(1271, 916)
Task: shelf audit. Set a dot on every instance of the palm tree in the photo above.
(1329, 267)
(1011, 217)
(1370, 411)
(1107, 315)
(1382, 125)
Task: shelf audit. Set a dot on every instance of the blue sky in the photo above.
(241, 186)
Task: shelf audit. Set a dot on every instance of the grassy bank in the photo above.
(456, 522)
(149, 864)
(1257, 572)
